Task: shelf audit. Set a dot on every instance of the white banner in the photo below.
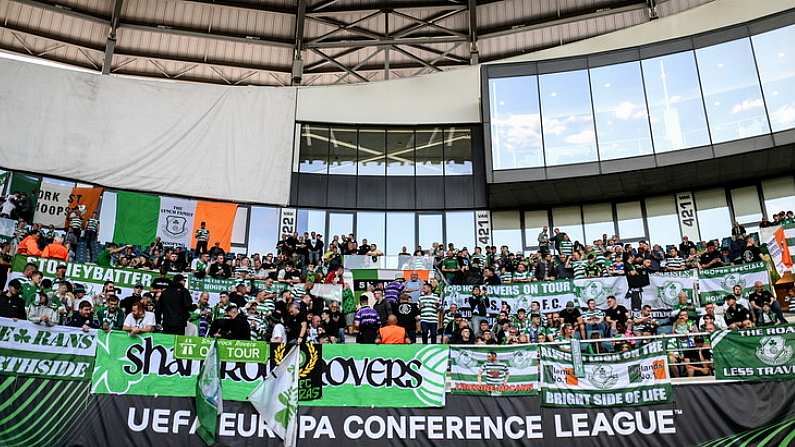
(288, 221)
(483, 228)
(686, 210)
(52, 204)
(599, 289)
(715, 284)
(662, 293)
(175, 223)
(780, 241)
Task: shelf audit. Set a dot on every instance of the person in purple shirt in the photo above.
(393, 290)
(367, 322)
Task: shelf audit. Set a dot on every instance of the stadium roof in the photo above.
(306, 42)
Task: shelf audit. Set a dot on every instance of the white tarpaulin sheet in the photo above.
(232, 143)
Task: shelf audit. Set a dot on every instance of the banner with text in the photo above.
(175, 221)
(148, 366)
(662, 293)
(635, 377)
(755, 354)
(552, 296)
(715, 284)
(494, 370)
(58, 352)
(394, 376)
(52, 203)
(91, 276)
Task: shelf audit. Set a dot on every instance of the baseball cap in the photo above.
(570, 304)
(160, 283)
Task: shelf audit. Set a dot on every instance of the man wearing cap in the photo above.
(571, 315)
(711, 258)
(127, 302)
(175, 305)
(11, 303)
(239, 296)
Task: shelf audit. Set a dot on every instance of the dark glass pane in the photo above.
(313, 149)
(371, 151)
(458, 152)
(400, 152)
(429, 151)
(342, 151)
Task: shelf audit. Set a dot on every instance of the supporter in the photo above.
(234, 325)
(760, 297)
(408, 315)
(429, 314)
(383, 307)
(698, 360)
(202, 236)
(139, 320)
(736, 315)
(571, 315)
(615, 313)
(709, 317)
(711, 258)
(127, 302)
(256, 322)
(110, 316)
(366, 322)
(790, 299)
(218, 267)
(174, 306)
(240, 295)
(684, 303)
(392, 333)
(490, 277)
(202, 316)
(335, 324)
(766, 316)
(40, 312)
(393, 289)
(681, 327)
(11, 303)
(751, 253)
(413, 287)
(84, 318)
(56, 250)
(645, 324)
(30, 245)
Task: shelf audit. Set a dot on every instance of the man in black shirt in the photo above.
(479, 303)
(84, 318)
(239, 296)
(615, 313)
(711, 258)
(490, 278)
(571, 315)
(685, 246)
(751, 253)
(295, 323)
(759, 297)
(11, 303)
(128, 302)
(408, 314)
(736, 316)
(337, 319)
(234, 327)
(219, 268)
(174, 306)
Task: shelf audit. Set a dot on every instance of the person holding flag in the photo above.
(276, 398)
(209, 398)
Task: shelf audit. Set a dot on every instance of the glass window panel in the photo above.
(458, 152)
(598, 221)
(714, 219)
(779, 195)
(506, 229)
(400, 152)
(630, 220)
(263, 230)
(429, 151)
(399, 233)
(371, 151)
(311, 220)
(775, 59)
(534, 221)
(662, 221)
(746, 204)
(239, 226)
(515, 123)
(622, 125)
(339, 224)
(567, 118)
(430, 226)
(313, 149)
(675, 105)
(370, 226)
(342, 151)
(569, 220)
(460, 227)
(731, 91)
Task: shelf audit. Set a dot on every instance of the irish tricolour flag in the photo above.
(136, 219)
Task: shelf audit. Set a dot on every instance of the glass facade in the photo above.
(365, 151)
(724, 92)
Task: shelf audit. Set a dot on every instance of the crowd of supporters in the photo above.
(273, 300)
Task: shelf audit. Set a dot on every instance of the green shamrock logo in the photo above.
(21, 336)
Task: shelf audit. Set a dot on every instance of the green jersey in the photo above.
(580, 269)
(202, 235)
(566, 248)
(494, 373)
(114, 319)
(429, 308)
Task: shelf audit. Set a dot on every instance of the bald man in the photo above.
(392, 334)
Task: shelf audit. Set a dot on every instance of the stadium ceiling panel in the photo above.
(304, 42)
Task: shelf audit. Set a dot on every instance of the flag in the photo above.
(30, 185)
(137, 219)
(53, 202)
(86, 200)
(209, 399)
(276, 398)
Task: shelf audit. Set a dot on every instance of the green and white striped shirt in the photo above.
(75, 222)
(587, 314)
(520, 275)
(92, 224)
(429, 308)
(493, 373)
(674, 263)
(579, 267)
(202, 235)
(566, 248)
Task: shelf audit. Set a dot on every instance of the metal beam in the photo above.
(444, 54)
(65, 10)
(416, 58)
(252, 7)
(472, 11)
(360, 43)
(565, 18)
(322, 62)
(339, 65)
(430, 24)
(426, 6)
(194, 32)
(359, 65)
(342, 26)
(298, 63)
(110, 42)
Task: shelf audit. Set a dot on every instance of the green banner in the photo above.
(146, 366)
(91, 276)
(552, 296)
(58, 352)
(494, 370)
(394, 376)
(196, 348)
(715, 284)
(755, 354)
(630, 378)
(217, 285)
